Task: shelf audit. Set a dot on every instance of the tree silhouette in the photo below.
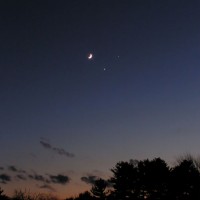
(99, 189)
(153, 179)
(3, 196)
(84, 196)
(141, 179)
(124, 180)
(185, 181)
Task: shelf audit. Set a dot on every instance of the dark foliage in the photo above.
(84, 196)
(3, 196)
(184, 181)
(99, 189)
(125, 176)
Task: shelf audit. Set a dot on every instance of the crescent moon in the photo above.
(90, 56)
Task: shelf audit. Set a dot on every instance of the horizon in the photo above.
(185, 171)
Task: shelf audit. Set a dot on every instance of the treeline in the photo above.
(140, 180)
(148, 180)
(26, 195)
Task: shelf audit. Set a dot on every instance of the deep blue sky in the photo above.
(145, 104)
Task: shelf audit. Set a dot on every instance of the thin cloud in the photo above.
(38, 177)
(59, 179)
(46, 145)
(15, 169)
(21, 177)
(33, 155)
(48, 187)
(1, 168)
(89, 179)
(44, 180)
(57, 150)
(12, 168)
(4, 178)
(55, 179)
(61, 151)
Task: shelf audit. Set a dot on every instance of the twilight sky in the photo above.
(64, 119)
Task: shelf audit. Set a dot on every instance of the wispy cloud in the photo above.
(15, 169)
(44, 181)
(48, 187)
(57, 150)
(59, 179)
(21, 177)
(38, 177)
(49, 179)
(33, 155)
(90, 179)
(4, 178)
(1, 168)
(12, 168)
(46, 145)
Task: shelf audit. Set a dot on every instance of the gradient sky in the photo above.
(62, 114)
